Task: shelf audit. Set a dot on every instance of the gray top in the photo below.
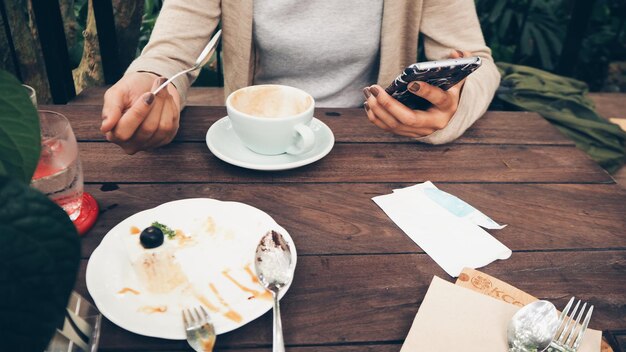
(328, 48)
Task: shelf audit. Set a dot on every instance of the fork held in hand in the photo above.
(205, 55)
(199, 329)
(569, 335)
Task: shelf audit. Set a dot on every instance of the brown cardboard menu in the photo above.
(453, 318)
(490, 286)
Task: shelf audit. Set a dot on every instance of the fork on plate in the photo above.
(569, 334)
(199, 329)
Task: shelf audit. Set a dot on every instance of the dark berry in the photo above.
(151, 237)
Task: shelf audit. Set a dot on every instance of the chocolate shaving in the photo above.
(279, 241)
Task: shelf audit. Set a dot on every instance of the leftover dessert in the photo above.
(153, 260)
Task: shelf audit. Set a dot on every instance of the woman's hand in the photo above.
(134, 118)
(391, 115)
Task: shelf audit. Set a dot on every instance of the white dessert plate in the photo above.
(224, 143)
(218, 264)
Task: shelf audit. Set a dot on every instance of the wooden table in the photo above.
(360, 279)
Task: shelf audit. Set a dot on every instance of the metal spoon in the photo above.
(533, 327)
(273, 265)
(204, 57)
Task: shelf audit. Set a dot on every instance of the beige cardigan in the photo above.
(185, 26)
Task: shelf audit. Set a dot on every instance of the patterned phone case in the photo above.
(443, 74)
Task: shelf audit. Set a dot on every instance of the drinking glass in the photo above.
(31, 94)
(59, 174)
(80, 330)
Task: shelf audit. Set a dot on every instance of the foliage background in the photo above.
(531, 32)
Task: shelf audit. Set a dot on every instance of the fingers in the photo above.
(390, 110)
(122, 95)
(456, 54)
(435, 95)
(115, 101)
(402, 130)
(390, 123)
(373, 119)
(391, 115)
(414, 134)
(133, 117)
(168, 125)
(150, 125)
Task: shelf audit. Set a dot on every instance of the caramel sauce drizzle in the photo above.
(209, 226)
(256, 294)
(234, 316)
(153, 309)
(182, 238)
(230, 314)
(128, 290)
(252, 275)
(134, 230)
(207, 304)
(207, 345)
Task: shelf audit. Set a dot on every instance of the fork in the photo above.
(569, 333)
(199, 329)
(204, 57)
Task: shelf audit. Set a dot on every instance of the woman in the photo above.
(331, 49)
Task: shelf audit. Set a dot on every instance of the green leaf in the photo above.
(554, 40)
(40, 253)
(496, 12)
(526, 41)
(167, 231)
(505, 22)
(542, 47)
(20, 140)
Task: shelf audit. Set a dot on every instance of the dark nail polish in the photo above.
(366, 106)
(374, 91)
(460, 53)
(366, 92)
(413, 87)
(149, 99)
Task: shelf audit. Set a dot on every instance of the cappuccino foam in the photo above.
(270, 101)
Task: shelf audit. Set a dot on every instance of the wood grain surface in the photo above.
(342, 218)
(348, 125)
(196, 96)
(362, 162)
(607, 104)
(360, 279)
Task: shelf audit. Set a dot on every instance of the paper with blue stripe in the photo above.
(445, 227)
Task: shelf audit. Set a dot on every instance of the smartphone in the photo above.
(443, 74)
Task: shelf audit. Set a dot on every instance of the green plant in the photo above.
(523, 31)
(151, 12)
(75, 51)
(531, 32)
(605, 42)
(39, 246)
(19, 130)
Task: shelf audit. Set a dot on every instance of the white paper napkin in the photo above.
(454, 205)
(453, 241)
(453, 318)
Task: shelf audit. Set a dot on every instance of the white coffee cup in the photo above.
(272, 119)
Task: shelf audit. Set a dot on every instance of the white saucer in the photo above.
(226, 145)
